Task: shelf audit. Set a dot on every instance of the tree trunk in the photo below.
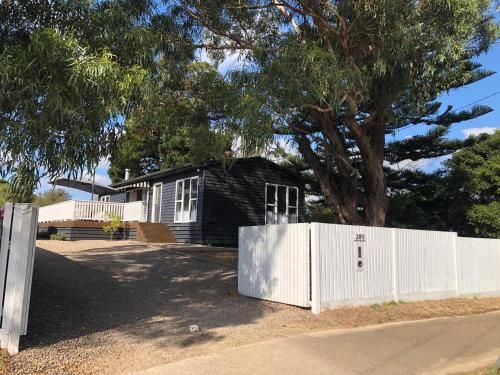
(375, 196)
(339, 178)
(373, 176)
(340, 191)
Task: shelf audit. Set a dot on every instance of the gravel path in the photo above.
(102, 307)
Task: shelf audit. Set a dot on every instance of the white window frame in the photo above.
(191, 199)
(105, 198)
(153, 213)
(275, 205)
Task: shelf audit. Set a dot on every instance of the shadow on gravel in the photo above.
(145, 293)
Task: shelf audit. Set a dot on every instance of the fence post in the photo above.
(18, 280)
(455, 263)
(315, 268)
(4, 247)
(395, 266)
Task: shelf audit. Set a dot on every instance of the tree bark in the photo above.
(339, 180)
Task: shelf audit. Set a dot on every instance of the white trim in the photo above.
(275, 205)
(105, 198)
(153, 211)
(181, 218)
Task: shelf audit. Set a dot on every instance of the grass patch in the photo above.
(380, 306)
(488, 371)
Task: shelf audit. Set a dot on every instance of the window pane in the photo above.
(187, 185)
(178, 211)
(292, 197)
(194, 188)
(271, 194)
(194, 206)
(292, 215)
(270, 219)
(282, 199)
(178, 197)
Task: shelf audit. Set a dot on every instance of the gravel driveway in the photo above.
(102, 307)
(111, 307)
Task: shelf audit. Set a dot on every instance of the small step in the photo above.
(155, 232)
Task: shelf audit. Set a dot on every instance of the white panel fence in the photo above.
(327, 265)
(17, 253)
(275, 263)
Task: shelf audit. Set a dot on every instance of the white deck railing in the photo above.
(92, 210)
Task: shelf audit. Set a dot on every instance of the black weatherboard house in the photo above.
(208, 203)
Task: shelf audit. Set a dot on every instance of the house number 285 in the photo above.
(360, 237)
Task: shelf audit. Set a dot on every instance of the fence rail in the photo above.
(356, 265)
(92, 210)
(17, 253)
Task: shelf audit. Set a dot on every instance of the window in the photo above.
(186, 200)
(134, 195)
(282, 204)
(105, 198)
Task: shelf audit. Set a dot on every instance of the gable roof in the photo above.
(138, 181)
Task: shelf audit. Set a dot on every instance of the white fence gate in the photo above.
(273, 263)
(17, 252)
(342, 265)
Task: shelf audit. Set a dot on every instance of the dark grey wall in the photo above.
(73, 234)
(227, 199)
(236, 197)
(184, 232)
(118, 197)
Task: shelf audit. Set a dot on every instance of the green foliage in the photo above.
(320, 213)
(58, 237)
(4, 189)
(6, 194)
(62, 88)
(476, 170)
(486, 219)
(114, 225)
(51, 196)
(462, 198)
(339, 76)
(169, 129)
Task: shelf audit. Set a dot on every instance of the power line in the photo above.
(479, 100)
(457, 109)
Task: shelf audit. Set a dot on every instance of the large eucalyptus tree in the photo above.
(339, 76)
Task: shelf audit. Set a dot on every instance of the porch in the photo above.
(79, 210)
(84, 220)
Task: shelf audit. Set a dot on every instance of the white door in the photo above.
(156, 208)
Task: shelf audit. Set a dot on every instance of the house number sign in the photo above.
(360, 237)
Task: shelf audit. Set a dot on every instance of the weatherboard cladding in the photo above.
(227, 199)
(236, 197)
(116, 197)
(73, 234)
(184, 232)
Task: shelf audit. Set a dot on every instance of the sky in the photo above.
(489, 87)
(463, 97)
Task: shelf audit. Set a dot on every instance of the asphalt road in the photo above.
(437, 346)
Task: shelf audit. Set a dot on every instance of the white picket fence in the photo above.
(92, 210)
(326, 265)
(17, 253)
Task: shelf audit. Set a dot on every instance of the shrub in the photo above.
(113, 226)
(58, 237)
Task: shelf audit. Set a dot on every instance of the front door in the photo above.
(156, 208)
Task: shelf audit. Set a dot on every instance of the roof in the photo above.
(187, 168)
(83, 185)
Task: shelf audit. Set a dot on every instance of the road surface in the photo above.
(436, 346)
